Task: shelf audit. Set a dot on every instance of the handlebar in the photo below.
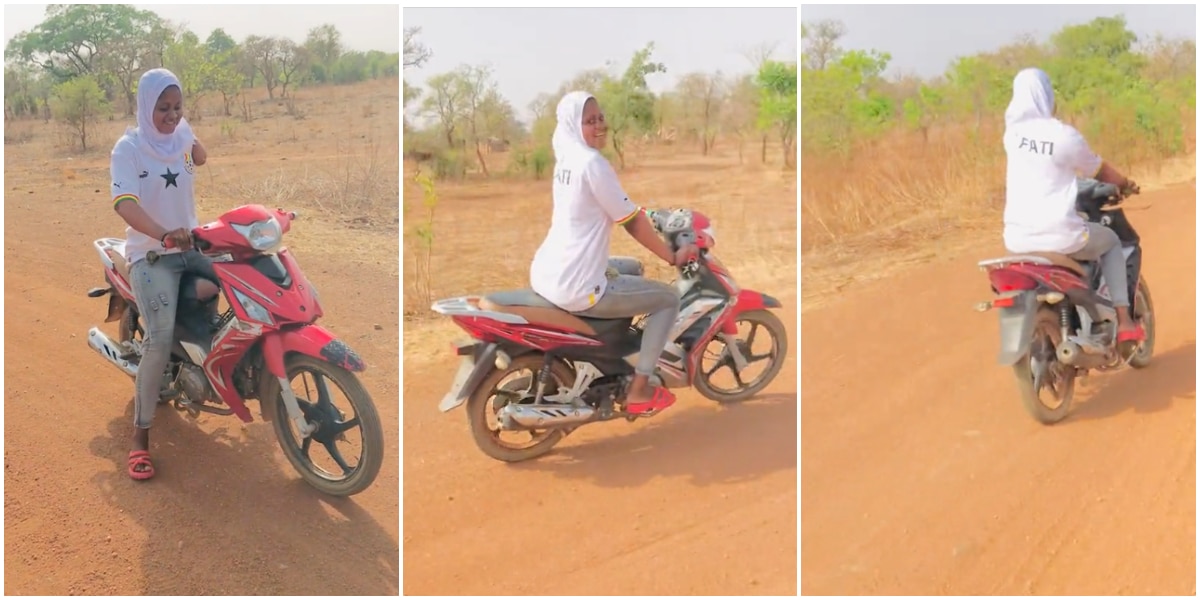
(1095, 196)
(196, 241)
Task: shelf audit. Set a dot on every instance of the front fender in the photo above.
(310, 340)
(1016, 328)
(748, 300)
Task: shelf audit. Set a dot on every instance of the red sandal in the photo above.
(140, 458)
(1136, 334)
(662, 399)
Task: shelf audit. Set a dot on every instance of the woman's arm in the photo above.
(125, 187)
(137, 218)
(643, 231)
(1108, 174)
(602, 180)
(199, 154)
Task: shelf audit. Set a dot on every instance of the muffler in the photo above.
(111, 351)
(516, 417)
(1076, 355)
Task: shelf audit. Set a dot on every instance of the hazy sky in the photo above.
(534, 50)
(363, 27)
(924, 39)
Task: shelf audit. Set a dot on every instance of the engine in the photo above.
(194, 385)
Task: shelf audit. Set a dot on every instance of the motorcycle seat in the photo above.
(122, 266)
(1061, 260)
(530, 306)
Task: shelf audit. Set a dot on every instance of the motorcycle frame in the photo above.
(291, 304)
(1090, 303)
(710, 303)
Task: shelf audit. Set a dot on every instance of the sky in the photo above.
(535, 50)
(923, 40)
(363, 27)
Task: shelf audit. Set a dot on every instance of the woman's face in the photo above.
(168, 110)
(595, 130)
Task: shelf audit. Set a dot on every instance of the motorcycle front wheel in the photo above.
(759, 320)
(1144, 312)
(329, 471)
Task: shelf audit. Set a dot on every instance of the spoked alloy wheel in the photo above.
(1144, 308)
(516, 384)
(763, 342)
(322, 457)
(1047, 386)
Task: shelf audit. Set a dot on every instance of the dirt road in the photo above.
(922, 474)
(225, 514)
(699, 500)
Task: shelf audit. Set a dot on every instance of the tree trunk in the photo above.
(482, 164)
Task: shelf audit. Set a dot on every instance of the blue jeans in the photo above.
(156, 288)
(629, 295)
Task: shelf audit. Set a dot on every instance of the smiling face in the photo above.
(168, 110)
(595, 130)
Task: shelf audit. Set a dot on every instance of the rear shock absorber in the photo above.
(1064, 319)
(543, 379)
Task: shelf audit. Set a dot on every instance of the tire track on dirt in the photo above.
(225, 514)
(922, 473)
(699, 500)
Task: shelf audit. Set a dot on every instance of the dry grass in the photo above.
(338, 166)
(907, 200)
(485, 230)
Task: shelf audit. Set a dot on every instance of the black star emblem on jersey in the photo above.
(170, 177)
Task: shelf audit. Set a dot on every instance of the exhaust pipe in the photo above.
(1075, 355)
(517, 417)
(111, 351)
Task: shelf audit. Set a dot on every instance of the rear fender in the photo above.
(116, 307)
(1016, 327)
(476, 360)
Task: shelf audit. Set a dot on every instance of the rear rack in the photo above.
(996, 263)
(468, 306)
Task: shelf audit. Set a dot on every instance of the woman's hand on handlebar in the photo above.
(178, 238)
(685, 254)
(1130, 188)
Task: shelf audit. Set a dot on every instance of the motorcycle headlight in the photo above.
(253, 309)
(261, 235)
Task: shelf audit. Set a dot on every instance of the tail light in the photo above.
(1006, 280)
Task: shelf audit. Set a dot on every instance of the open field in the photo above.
(700, 500)
(928, 477)
(225, 514)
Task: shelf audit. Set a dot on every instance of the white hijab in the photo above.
(568, 142)
(162, 146)
(1033, 97)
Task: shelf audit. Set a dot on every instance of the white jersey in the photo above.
(1045, 158)
(568, 269)
(163, 189)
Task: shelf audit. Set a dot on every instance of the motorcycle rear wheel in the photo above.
(478, 407)
(1046, 337)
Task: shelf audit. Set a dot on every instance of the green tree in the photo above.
(80, 103)
(627, 102)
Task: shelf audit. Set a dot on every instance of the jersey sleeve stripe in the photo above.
(124, 197)
(629, 217)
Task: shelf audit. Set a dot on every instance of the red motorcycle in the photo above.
(264, 339)
(583, 366)
(1057, 320)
